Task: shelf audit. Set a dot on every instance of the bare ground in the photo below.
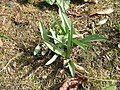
(21, 70)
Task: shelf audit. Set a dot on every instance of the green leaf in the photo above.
(53, 35)
(84, 43)
(118, 26)
(111, 87)
(119, 45)
(2, 36)
(67, 4)
(94, 37)
(68, 28)
(80, 44)
(71, 67)
(63, 39)
(55, 49)
(50, 1)
(53, 24)
(52, 59)
(66, 23)
(43, 31)
(59, 25)
(64, 4)
(69, 43)
(37, 50)
(58, 41)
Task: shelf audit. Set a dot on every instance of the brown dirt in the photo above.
(19, 34)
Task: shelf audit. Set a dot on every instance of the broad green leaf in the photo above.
(50, 1)
(94, 37)
(119, 45)
(111, 87)
(55, 49)
(43, 31)
(52, 59)
(80, 44)
(37, 50)
(71, 67)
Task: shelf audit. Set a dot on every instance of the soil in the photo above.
(19, 33)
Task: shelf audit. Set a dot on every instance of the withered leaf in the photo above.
(105, 11)
(91, 1)
(103, 21)
(72, 83)
(80, 69)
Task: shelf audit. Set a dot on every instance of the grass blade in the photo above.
(52, 59)
(80, 44)
(64, 4)
(94, 37)
(58, 41)
(43, 31)
(2, 36)
(66, 23)
(55, 49)
(50, 1)
(60, 27)
(53, 35)
(111, 87)
(71, 67)
(69, 43)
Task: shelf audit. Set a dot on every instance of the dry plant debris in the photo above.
(91, 1)
(105, 11)
(1, 43)
(73, 83)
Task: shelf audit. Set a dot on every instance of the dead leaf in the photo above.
(105, 11)
(91, 1)
(72, 83)
(62, 72)
(74, 11)
(103, 21)
(80, 69)
(1, 43)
